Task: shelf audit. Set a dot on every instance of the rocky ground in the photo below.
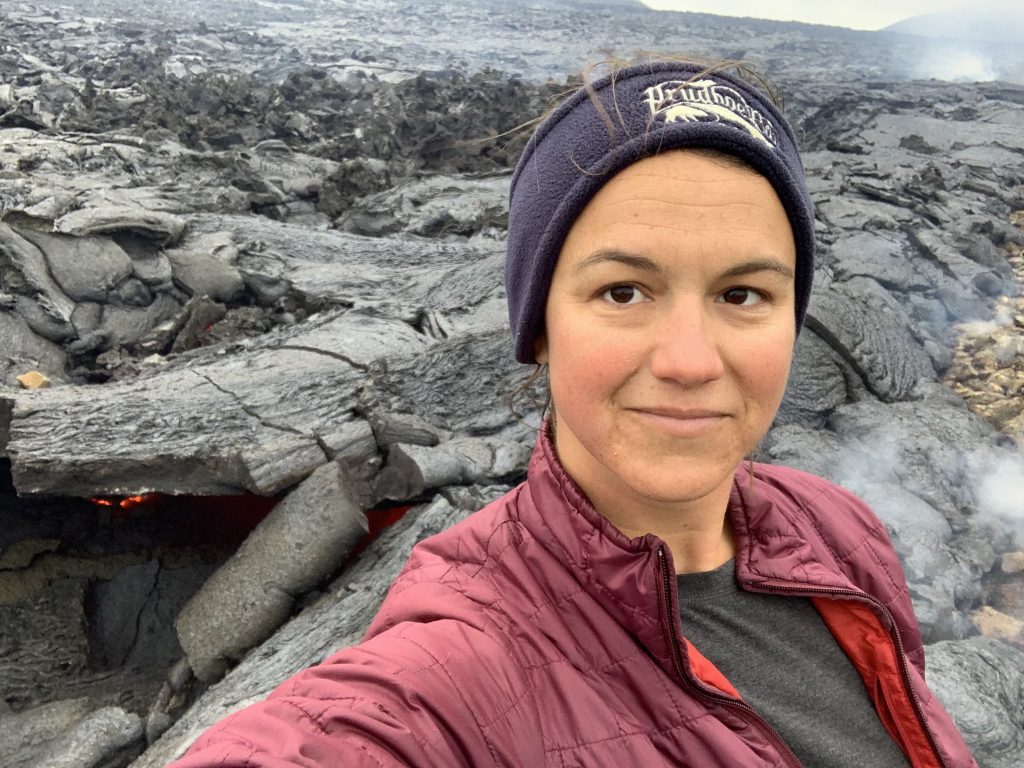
(250, 266)
(988, 363)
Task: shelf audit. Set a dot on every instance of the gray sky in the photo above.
(862, 14)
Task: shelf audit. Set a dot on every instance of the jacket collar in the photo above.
(626, 574)
(623, 574)
(776, 541)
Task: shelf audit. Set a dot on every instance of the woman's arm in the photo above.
(416, 695)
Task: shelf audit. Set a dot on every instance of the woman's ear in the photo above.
(540, 349)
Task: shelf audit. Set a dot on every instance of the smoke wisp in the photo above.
(957, 65)
(999, 487)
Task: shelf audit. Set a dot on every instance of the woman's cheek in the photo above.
(585, 376)
(769, 372)
(592, 350)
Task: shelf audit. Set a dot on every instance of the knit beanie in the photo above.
(646, 109)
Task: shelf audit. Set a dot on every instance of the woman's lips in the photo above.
(681, 422)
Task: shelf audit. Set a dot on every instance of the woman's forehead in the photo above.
(683, 202)
(698, 165)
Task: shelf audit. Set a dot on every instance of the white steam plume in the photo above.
(999, 487)
(957, 64)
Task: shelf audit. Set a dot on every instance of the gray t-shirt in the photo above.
(781, 657)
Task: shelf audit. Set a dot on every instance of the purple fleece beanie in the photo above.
(654, 108)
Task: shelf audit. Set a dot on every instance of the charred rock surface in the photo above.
(339, 618)
(245, 253)
(88, 600)
(217, 424)
(974, 680)
(298, 545)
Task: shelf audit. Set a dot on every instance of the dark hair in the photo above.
(611, 65)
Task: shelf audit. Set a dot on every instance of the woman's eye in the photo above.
(742, 297)
(623, 294)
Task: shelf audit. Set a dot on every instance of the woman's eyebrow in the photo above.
(619, 257)
(757, 265)
(649, 265)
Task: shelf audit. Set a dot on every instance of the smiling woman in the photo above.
(646, 597)
(668, 334)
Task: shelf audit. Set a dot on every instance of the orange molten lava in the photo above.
(134, 501)
(128, 502)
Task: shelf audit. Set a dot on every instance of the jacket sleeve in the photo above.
(403, 698)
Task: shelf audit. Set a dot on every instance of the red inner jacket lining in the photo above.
(860, 634)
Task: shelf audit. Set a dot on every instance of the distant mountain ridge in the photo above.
(990, 22)
(635, 5)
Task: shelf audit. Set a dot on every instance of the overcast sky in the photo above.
(862, 14)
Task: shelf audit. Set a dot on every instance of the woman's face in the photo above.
(669, 330)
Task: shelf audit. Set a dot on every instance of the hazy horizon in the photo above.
(866, 15)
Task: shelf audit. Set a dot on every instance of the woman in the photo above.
(646, 597)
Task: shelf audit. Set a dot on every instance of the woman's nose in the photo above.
(686, 346)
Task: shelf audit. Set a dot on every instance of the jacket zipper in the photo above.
(894, 635)
(677, 657)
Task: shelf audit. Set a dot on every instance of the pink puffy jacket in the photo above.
(535, 634)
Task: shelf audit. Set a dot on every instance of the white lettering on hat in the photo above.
(708, 101)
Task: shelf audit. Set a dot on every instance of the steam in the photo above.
(971, 42)
(986, 482)
(999, 489)
(860, 468)
(958, 65)
(1001, 319)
